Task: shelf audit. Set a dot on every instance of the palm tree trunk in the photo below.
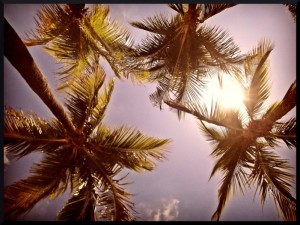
(282, 108)
(19, 56)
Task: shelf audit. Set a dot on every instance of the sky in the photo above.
(179, 188)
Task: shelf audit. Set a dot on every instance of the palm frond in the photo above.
(129, 147)
(114, 43)
(81, 206)
(27, 133)
(59, 30)
(189, 89)
(230, 118)
(213, 134)
(272, 176)
(256, 69)
(98, 112)
(286, 131)
(112, 200)
(83, 96)
(161, 93)
(220, 49)
(232, 151)
(154, 47)
(177, 7)
(233, 155)
(110, 32)
(51, 21)
(209, 10)
(157, 24)
(49, 177)
(76, 42)
(75, 51)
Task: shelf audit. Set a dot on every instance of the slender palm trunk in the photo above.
(287, 104)
(18, 55)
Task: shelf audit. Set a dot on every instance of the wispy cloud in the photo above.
(168, 210)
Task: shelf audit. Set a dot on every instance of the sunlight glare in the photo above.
(230, 94)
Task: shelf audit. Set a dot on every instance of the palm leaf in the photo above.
(112, 200)
(177, 7)
(66, 41)
(209, 10)
(230, 118)
(286, 131)
(113, 42)
(76, 42)
(83, 96)
(75, 51)
(232, 151)
(129, 148)
(220, 49)
(110, 32)
(27, 133)
(49, 177)
(157, 24)
(233, 156)
(98, 112)
(271, 174)
(81, 206)
(51, 21)
(256, 70)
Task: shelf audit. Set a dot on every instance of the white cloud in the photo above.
(168, 210)
(171, 210)
(157, 216)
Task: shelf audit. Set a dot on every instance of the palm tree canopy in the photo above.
(77, 36)
(250, 146)
(87, 163)
(180, 52)
(244, 143)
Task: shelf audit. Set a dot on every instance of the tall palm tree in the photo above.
(244, 142)
(80, 152)
(181, 51)
(76, 36)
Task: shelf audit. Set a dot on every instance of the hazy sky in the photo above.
(179, 188)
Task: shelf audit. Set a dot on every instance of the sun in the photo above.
(230, 94)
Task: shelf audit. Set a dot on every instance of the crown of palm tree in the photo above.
(77, 36)
(244, 144)
(180, 52)
(88, 163)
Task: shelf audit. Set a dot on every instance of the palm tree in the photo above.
(244, 143)
(180, 52)
(80, 152)
(76, 36)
